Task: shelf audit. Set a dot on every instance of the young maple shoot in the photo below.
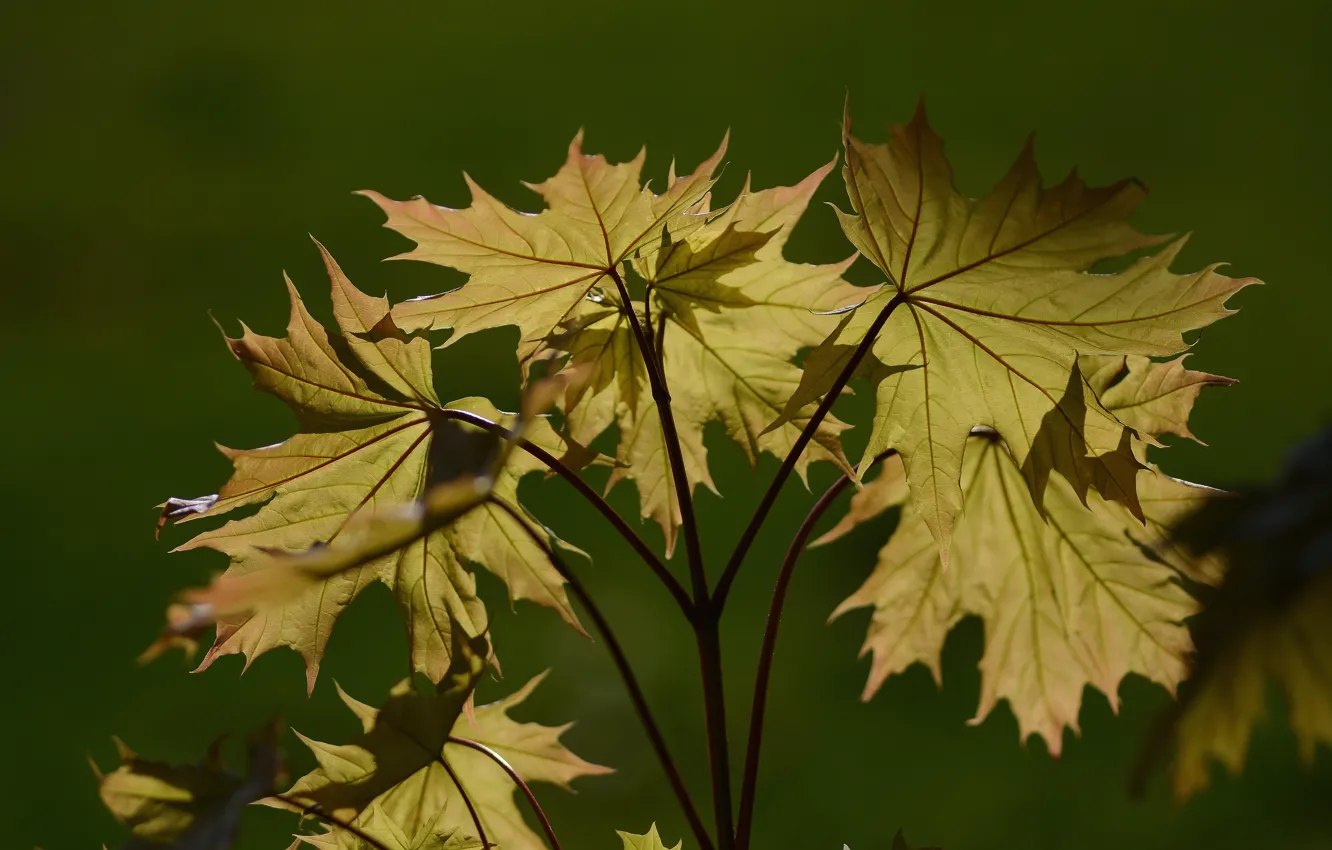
(1016, 395)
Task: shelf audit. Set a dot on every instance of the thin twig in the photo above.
(662, 396)
(749, 782)
(626, 671)
(467, 799)
(320, 814)
(585, 490)
(706, 616)
(806, 434)
(707, 635)
(517, 780)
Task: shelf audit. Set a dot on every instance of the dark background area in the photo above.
(162, 160)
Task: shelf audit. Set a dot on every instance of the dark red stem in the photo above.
(319, 814)
(626, 671)
(806, 434)
(706, 616)
(585, 490)
(517, 780)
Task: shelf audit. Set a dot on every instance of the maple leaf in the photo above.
(1068, 598)
(1270, 619)
(731, 315)
(991, 303)
(188, 807)
(389, 836)
(532, 270)
(405, 765)
(374, 437)
(650, 840)
(1149, 397)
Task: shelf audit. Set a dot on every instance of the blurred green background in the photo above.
(161, 160)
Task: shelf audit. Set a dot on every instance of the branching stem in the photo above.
(806, 434)
(585, 490)
(662, 396)
(517, 780)
(749, 783)
(706, 616)
(626, 671)
(467, 800)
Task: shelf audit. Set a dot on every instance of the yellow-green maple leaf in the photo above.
(651, 840)
(1068, 599)
(373, 437)
(1147, 396)
(729, 316)
(736, 311)
(533, 270)
(399, 766)
(995, 303)
(389, 835)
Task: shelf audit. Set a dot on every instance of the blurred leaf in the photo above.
(1270, 619)
(188, 807)
(996, 304)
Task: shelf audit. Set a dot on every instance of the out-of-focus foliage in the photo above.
(1268, 621)
(188, 807)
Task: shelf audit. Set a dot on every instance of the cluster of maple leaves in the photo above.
(1016, 395)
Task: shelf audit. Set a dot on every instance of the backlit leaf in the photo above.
(374, 440)
(1149, 397)
(728, 314)
(994, 305)
(400, 768)
(1068, 599)
(651, 840)
(533, 270)
(389, 834)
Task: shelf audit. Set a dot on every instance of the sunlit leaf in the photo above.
(994, 304)
(362, 493)
(401, 767)
(727, 310)
(1149, 397)
(651, 840)
(1070, 598)
(728, 315)
(533, 270)
(389, 835)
